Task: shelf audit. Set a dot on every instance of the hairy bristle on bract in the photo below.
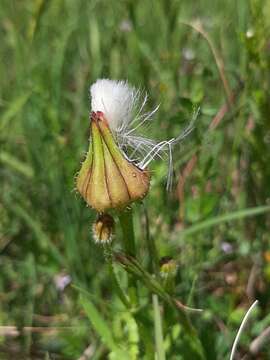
(123, 107)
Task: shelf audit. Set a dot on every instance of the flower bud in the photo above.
(168, 267)
(168, 271)
(103, 229)
(107, 179)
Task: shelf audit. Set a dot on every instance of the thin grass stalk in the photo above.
(126, 221)
(154, 267)
(241, 329)
(158, 329)
(152, 250)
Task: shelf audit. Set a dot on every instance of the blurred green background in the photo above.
(185, 54)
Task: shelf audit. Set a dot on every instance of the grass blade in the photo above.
(236, 215)
(158, 330)
(16, 164)
(98, 323)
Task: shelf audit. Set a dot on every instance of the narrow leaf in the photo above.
(224, 218)
(98, 323)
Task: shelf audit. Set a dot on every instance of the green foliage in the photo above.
(216, 225)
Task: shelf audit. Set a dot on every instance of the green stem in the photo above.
(115, 282)
(158, 330)
(183, 316)
(154, 267)
(152, 250)
(126, 221)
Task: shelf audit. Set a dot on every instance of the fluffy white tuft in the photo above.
(116, 99)
(123, 107)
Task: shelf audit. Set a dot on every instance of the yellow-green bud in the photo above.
(107, 179)
(168, 271)
(168, 267)
(103, 229)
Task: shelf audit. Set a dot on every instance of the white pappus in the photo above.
(123, 107)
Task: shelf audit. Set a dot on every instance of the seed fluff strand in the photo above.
(123, 107)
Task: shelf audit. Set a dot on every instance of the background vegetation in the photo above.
(212, 54)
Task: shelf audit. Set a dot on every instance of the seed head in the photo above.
(107, 179)
(114, 172)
